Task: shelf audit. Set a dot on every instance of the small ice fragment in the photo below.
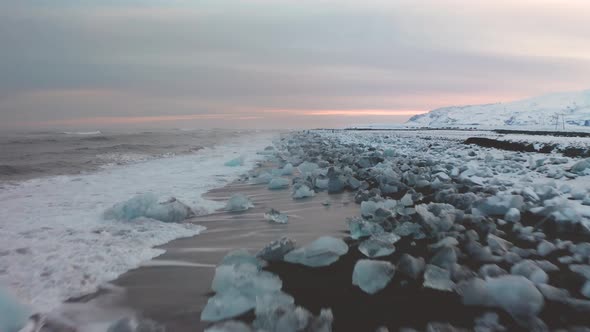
(372, 276)
(235, 162)
(13, 315)
(379, 245)
(276, 250)
(238, 202)
(437, 278)
(321, 252)
(276, 216)
(278, 183)
(359, 228)
(148, 206)
(326, 203)
(303, 191)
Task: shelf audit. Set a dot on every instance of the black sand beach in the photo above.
(174, 295)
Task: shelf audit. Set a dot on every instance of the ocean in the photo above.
(55, 186)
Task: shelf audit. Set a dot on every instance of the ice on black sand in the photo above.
(149, 206)
(321, 252)
(276, 216)
(516, 295)
(238, 202)
(372, 276)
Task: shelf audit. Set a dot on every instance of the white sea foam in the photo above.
(55, 245)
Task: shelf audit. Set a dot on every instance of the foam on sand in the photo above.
(54, 243)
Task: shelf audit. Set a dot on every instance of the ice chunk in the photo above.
(276, 250)
(278, 183)
(491, 271)
(307, 168)
(583, 270)
(368, 208)
(280, 315)
(448, 241)
(437, 278)
(336, 184)
(445, 258)
(321, 184)
(303, 191)
(379, 245)
(235, 162)
(241, 256)
(321, 252)
(411, 266)
(262, 178)
(225, 305)
(287, 169)
(148, 206)
(13, 315)
(515, 294)
(512, 215)
(238, 282)
(409, 228)
(499, 205)
(238, 202)
(226, 275)
(372, 276)
(498, 245)
(553, 293)
(531, 271)
(545, 248)
(276, 216)
(436, 217)
(582, 167)
(360, 228)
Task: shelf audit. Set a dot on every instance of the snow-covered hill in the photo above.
(567, 109)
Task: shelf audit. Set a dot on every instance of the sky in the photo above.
(278, 63)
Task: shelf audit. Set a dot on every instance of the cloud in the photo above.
(168, 58)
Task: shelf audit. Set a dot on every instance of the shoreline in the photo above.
(174, 287)
(99, 250)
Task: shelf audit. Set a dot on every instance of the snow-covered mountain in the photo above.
(566, 108)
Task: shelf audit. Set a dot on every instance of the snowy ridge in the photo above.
(54, 244)
(571, 109)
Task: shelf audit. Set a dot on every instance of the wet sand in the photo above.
(173, 288)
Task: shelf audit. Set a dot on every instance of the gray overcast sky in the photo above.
(278, 63)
